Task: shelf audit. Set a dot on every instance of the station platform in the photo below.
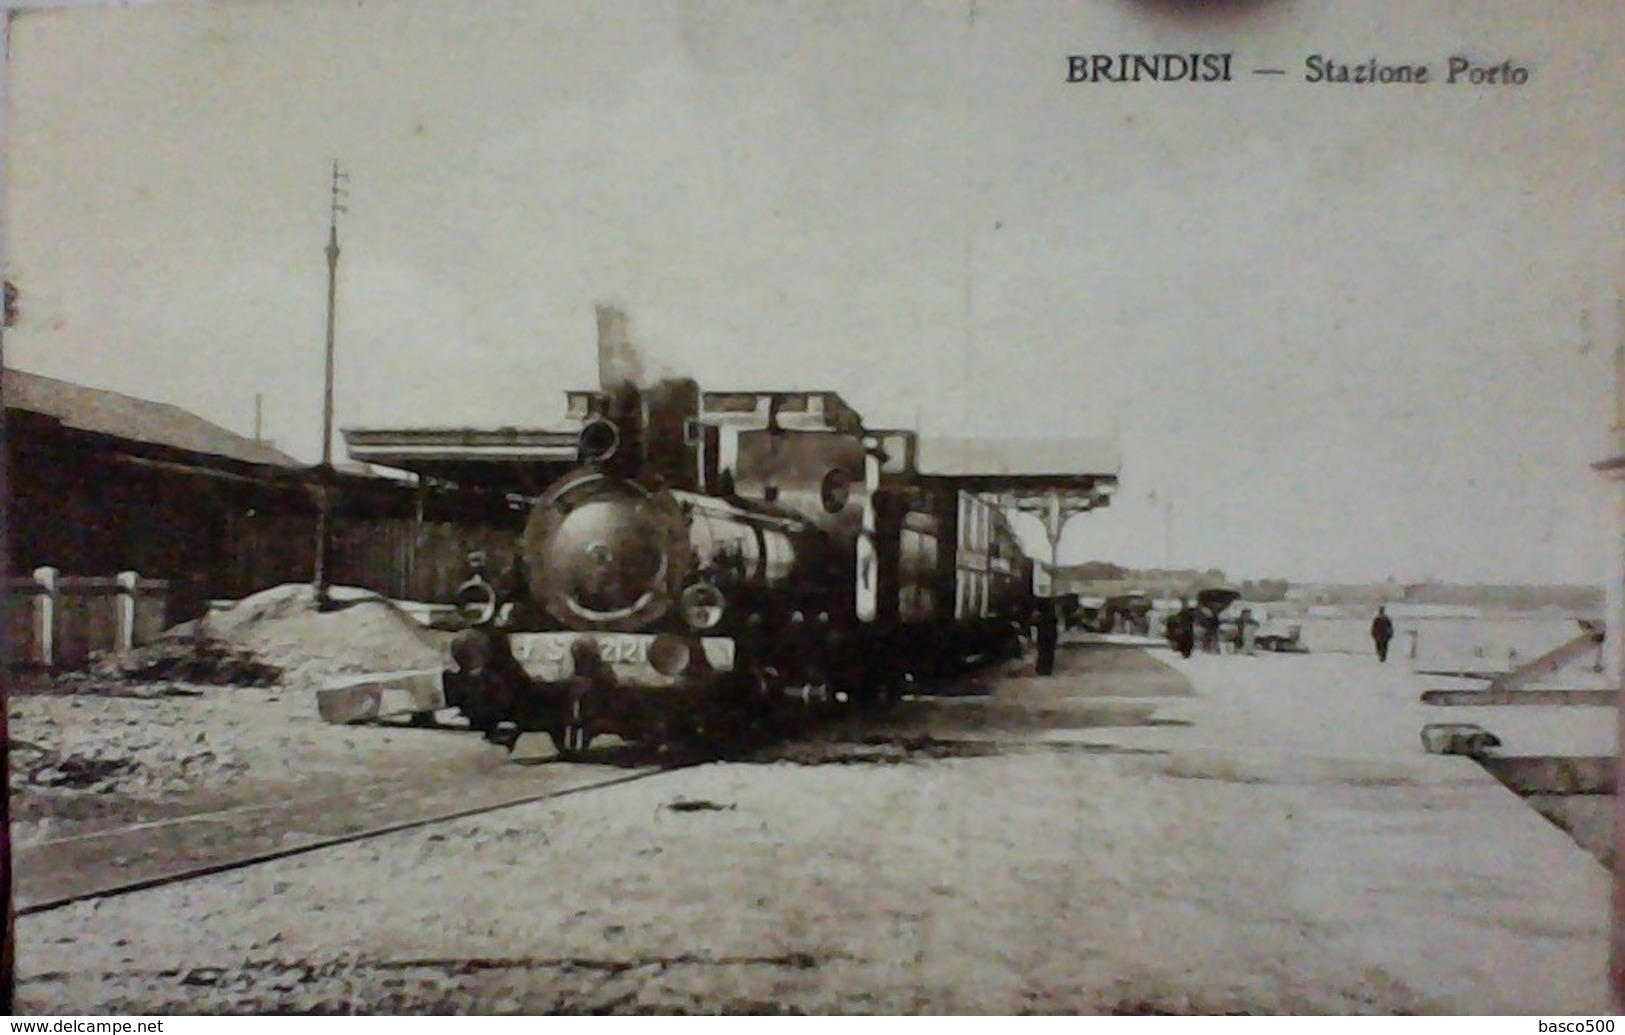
(1423, 867)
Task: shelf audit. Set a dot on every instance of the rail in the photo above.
(73, 869)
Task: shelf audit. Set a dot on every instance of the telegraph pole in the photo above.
(1168, 535)
(335, 206)
(325, 472)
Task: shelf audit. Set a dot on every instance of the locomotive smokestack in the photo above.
(619, 367)
(652, 418)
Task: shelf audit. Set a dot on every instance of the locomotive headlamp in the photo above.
(477, 601)
(702, 605)
(670, 655)
(598, 440)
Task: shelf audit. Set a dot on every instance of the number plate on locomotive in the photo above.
(554, 648)
(614, 650)
(547, 655)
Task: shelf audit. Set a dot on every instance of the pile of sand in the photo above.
(363, 632)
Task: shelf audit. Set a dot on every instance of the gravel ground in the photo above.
(1100, 842)
(1044, 882)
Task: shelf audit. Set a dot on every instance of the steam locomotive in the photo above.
(712, 561)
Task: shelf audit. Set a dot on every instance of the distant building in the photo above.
(102, 482)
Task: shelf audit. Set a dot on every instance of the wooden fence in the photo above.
(59, 621)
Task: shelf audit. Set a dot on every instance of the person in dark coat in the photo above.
(513, 593)
(1382, 631)
(1208, 620)
(1246, 630)
(1182, 629)
(1049, 634)
(514, 585)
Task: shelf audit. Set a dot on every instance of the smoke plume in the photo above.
(619, 365)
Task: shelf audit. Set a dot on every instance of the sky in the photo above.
(1339, 333)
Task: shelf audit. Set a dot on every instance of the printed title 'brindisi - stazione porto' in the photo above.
(1457, 70)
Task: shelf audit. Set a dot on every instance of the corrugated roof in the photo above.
(116, 415)
(1018, 457)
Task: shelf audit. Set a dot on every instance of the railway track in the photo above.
(63, 871)
(60, 872)
(106, 864)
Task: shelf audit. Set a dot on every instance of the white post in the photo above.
(1052, 524)
(868, 587)
(45, 614)
(124, 637)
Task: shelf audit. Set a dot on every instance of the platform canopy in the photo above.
(1083, 471)
(509, 457)
(1052, 479)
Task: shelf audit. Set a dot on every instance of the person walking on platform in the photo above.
(1246, 630)
(1182, 629)
(1382, 631)
(1049, 634)
(1208, 621)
